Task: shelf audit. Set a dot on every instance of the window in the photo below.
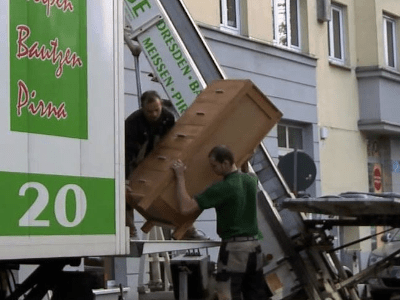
(289, 138)
(336, 34)
(389, 38)
(286, 23)
(230, 15)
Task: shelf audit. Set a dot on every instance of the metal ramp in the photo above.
(302, 265)
(356, 209)
(193, 40)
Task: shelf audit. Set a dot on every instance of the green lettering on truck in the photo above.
(153, 54)
(48, 68)
(141, 6)
(173, 48)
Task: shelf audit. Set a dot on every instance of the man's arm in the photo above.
(135, 139)
(187, 205)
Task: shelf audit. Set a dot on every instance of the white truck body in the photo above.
(61, 119)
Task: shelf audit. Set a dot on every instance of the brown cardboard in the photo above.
(234, 113)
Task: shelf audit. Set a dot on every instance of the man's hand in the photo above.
(179, 168)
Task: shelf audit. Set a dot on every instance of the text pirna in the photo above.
(44, 110)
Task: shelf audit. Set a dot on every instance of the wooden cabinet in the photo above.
(234, 113)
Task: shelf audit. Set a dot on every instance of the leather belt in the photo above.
(240, 239)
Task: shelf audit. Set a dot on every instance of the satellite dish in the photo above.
(305, 166)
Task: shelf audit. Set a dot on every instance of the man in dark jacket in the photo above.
(144, 128)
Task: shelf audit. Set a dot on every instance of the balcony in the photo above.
(379, 94)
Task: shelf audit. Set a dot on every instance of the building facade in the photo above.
(332, 67)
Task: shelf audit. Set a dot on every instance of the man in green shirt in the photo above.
(240, 261)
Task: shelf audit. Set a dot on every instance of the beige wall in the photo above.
(343, 154)
(367, 33)
(338, 97)
(343, 162)
(392, 7)
(256, 16)
(365, 16)
(204, 11)
(370, 50)
(260, 20)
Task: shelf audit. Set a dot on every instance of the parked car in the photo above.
(387, 282)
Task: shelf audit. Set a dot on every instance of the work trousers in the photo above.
(239, 272)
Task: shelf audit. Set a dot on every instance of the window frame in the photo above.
(224, 17)
(275, 28)
(387, 19)
(285, 150)
(331, 37)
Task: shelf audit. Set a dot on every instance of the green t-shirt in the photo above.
(234, 200)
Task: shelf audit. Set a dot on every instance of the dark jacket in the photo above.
(141, 136)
